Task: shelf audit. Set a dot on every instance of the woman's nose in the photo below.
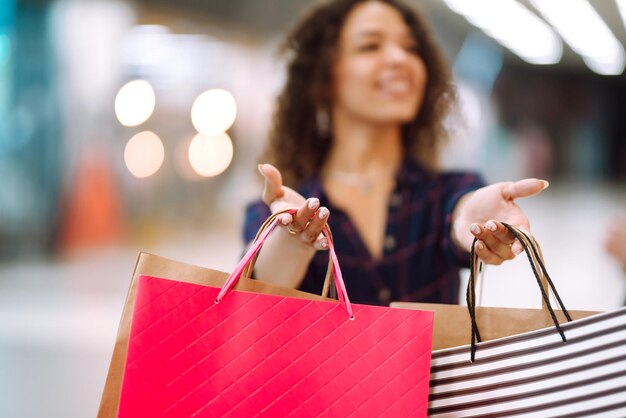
(395, 53)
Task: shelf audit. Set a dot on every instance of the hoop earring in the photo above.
(322, 122)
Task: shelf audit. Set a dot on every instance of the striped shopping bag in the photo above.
(574, 369)
(535, 374)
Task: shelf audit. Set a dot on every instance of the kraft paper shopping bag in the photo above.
(207, 350)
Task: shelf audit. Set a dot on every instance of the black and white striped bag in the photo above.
(575, 369)
(535, 374)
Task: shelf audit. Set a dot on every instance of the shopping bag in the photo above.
(153, 265)
(198, 350)
(536, 374)
(576, 368)
(452, 326)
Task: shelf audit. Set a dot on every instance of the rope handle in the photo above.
(246, 264)
(478, 269)
(535, 258)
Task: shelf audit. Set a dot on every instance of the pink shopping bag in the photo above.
(200, 351)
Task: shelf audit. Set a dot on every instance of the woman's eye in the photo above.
(368, 47)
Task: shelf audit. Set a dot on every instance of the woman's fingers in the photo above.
(496, 240)
(487, 255)
(304, 214)
(523, 188)
(309, 220)
(312, 232)
(273, 183)
(499, 232)
(307, 224)
(277, 196)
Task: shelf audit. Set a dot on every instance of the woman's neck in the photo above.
(364, 148)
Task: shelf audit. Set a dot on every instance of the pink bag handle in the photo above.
(234, 277)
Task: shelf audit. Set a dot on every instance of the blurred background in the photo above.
(137, 125)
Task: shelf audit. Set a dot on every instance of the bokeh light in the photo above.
(144, 154)
(134, 103)
(210, 155)
(213, 112)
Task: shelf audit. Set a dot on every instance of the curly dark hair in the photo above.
(295, 146)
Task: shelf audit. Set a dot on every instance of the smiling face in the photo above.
(378, 75)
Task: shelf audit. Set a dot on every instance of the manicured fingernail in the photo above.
(479, 246)
(260, 167)
(313, 203)
(545, 184)
(323, 213)
(320, 244)
(491, 225)
(475, 229)
(285, 219)
(517, 248)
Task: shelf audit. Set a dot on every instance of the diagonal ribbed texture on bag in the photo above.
(264, 355)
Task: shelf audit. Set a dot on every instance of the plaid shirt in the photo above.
(419, 263)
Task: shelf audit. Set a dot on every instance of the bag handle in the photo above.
(247, 273)
(543, 280)
(252, 252)
(478, 270)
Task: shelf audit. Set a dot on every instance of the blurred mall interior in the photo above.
(131, 126)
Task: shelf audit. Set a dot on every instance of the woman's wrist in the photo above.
(283, 261)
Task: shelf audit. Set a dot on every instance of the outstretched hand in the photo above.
(307, 223)
(479, 214)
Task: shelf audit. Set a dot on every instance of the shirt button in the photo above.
(390, 242)
(384, 295)
(395, 199)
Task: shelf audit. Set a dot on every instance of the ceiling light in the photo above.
(585, 32)
(514, 27)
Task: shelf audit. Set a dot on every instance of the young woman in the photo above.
(357, 131)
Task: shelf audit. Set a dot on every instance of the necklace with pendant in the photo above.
(364, 182)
